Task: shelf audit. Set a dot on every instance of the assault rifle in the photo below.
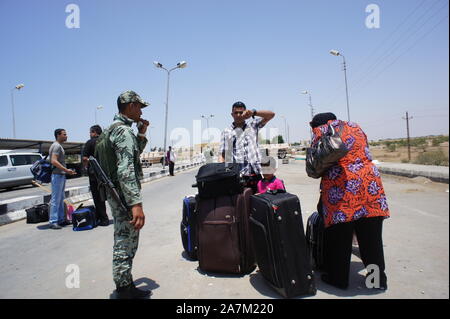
(104, 181)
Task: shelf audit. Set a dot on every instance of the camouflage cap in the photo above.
(131, 97)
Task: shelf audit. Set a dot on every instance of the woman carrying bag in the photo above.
(352, 198)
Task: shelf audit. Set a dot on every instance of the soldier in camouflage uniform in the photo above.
(120, 160)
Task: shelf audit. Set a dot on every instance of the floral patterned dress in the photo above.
(352, 189)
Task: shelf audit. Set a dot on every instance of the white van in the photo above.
(15, 168)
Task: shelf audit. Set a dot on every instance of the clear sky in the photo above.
(261, 52)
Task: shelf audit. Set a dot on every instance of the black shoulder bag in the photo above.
(328, 151)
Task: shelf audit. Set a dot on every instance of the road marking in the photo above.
(162, 178)
(15, 199)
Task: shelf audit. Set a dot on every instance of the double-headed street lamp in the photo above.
(310, 103)
(337, 53)
(17, 87)
(180, 65)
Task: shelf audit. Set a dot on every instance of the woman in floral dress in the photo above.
(352, 201)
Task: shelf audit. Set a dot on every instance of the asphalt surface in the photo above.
(416, 240)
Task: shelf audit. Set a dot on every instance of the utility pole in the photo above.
(407, 118)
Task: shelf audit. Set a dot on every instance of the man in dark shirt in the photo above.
(89, 149)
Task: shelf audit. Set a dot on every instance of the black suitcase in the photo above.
(218, 179)
(314, 235)
(188, 227)
(38, 214)
(280, 244)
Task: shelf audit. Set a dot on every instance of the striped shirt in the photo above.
(240, 145)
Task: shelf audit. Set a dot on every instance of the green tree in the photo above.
(278, 140)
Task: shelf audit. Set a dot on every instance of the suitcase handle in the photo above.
(275, 191)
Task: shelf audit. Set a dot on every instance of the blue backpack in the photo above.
(42, 170)
(84, 218)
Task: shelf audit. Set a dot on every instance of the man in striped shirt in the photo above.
(239, 142)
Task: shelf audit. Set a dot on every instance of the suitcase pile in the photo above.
(215, 225)
(230, 230)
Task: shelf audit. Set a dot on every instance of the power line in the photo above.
(400, 41)
(338, 89)
(365, 79)
(398, 57)
(391, 34)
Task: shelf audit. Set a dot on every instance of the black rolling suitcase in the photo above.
(314, 235)
(188, 227)
(280, 244)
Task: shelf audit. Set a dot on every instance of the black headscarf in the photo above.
(321, 119)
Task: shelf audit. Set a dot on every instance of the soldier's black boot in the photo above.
(131, 292)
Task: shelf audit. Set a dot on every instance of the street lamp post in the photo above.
(285, 129)
(207, 123)
(17, 87)
(100, 107)
(180, 65)
(310, 103)
(337, 53)
(149, 137)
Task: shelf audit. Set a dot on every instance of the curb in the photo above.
(12, 210)
(436, 175)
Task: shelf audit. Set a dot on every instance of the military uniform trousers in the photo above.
(126, 240)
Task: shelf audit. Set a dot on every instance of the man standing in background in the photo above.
(58, 160)
(239, 142)
(171, 158)
(89, 150)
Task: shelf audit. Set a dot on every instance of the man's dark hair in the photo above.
(58, 132)
(238, 105)
(121, 106)
(96, 129)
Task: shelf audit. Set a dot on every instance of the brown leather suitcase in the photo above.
(224, 239)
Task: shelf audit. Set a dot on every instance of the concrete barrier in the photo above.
(435, 173)
(12, 210)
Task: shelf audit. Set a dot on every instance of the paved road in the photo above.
(416, 238)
